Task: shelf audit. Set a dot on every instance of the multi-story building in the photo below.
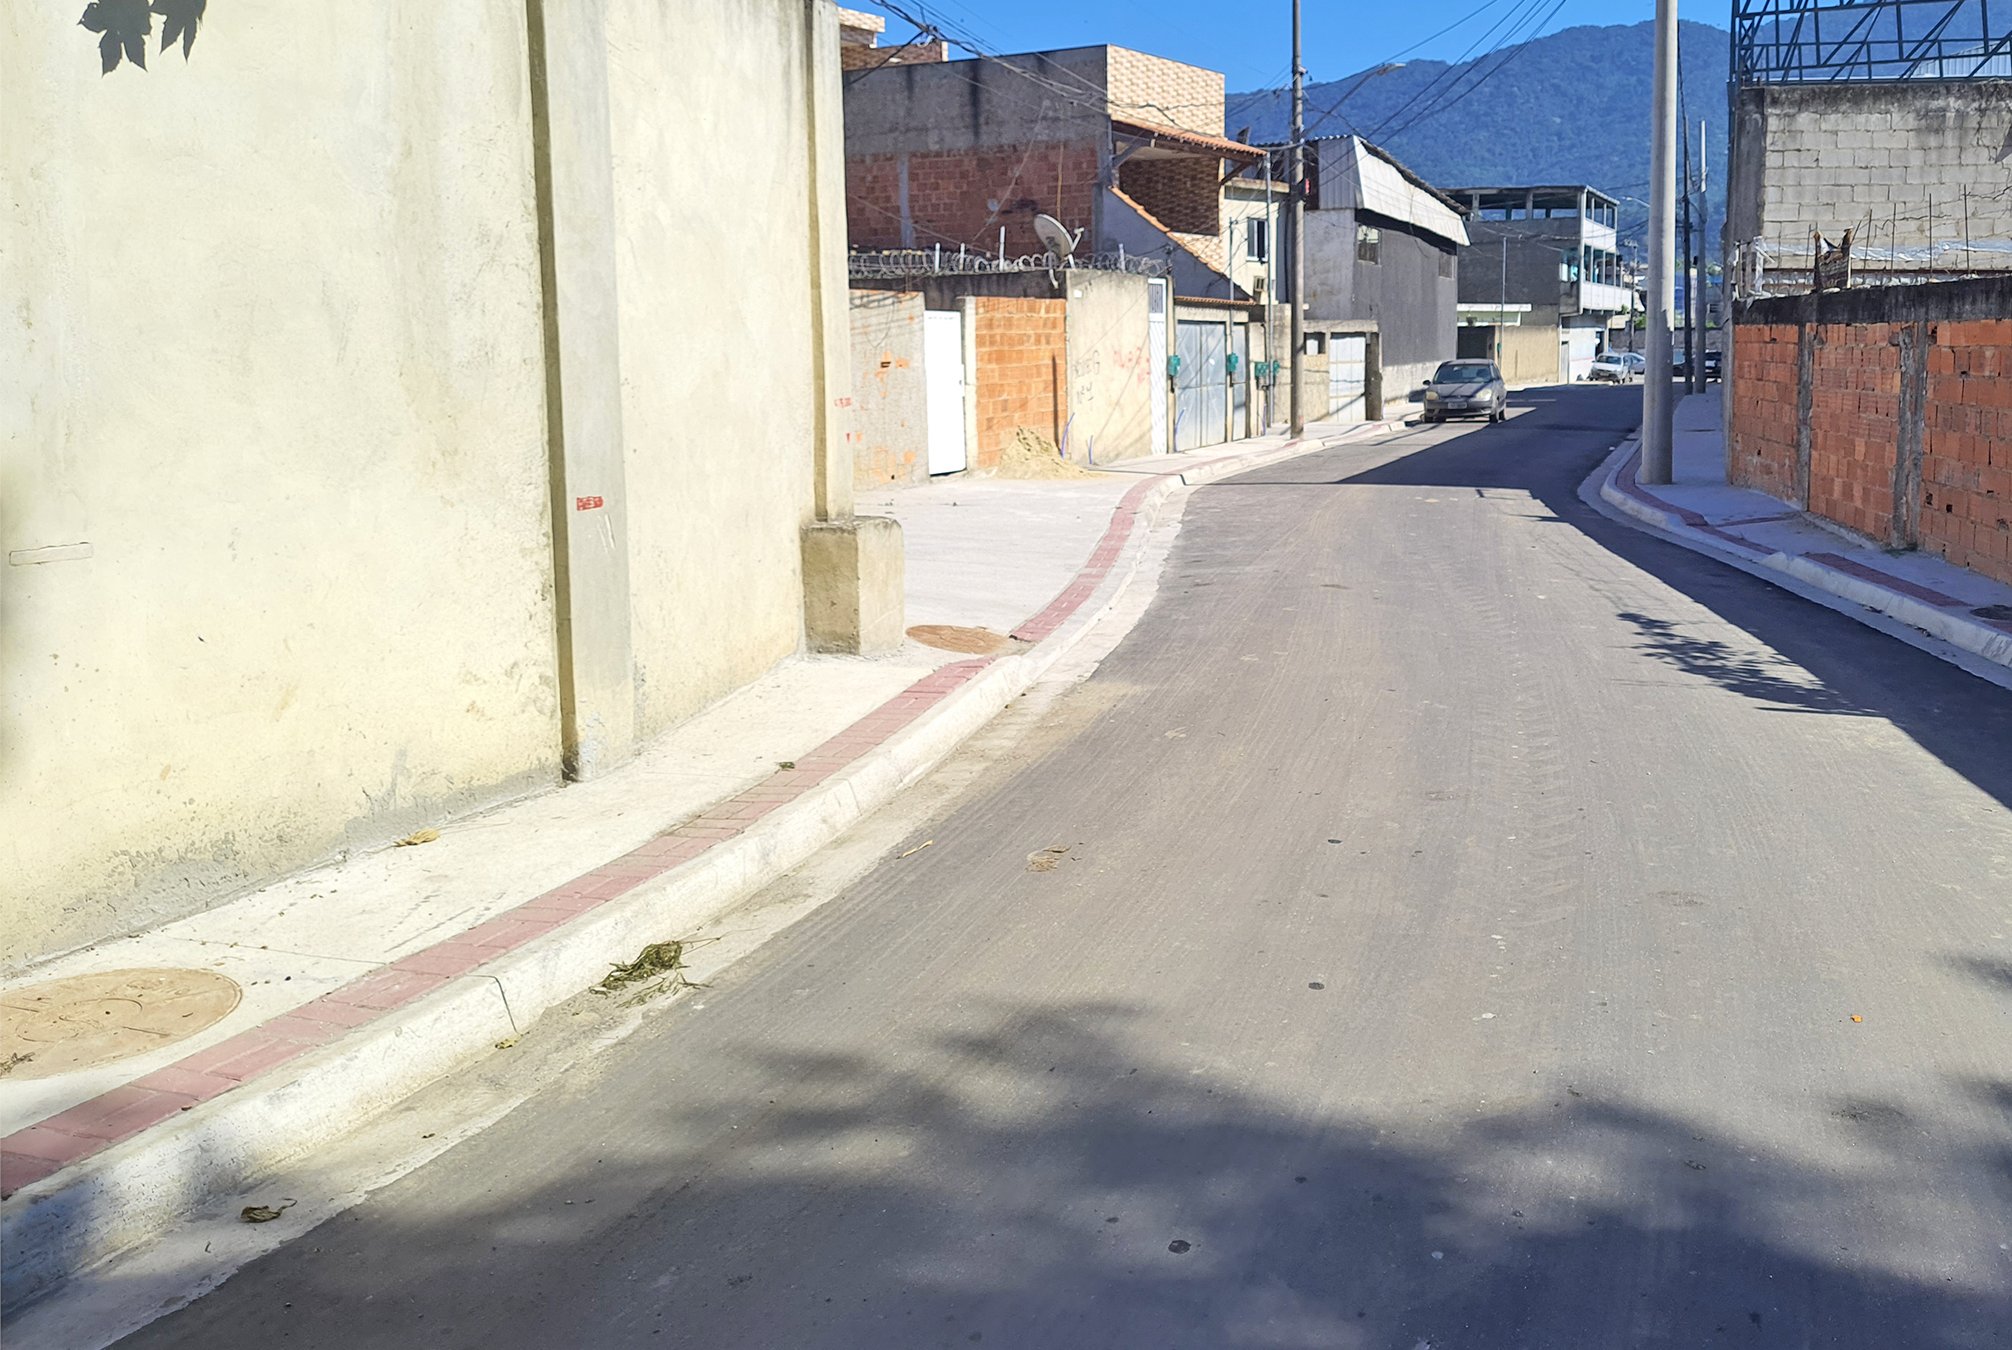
(1541, 278)
(1125, 150)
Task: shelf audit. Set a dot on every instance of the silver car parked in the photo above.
(1466, 389)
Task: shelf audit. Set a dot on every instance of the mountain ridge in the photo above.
(1569, 107)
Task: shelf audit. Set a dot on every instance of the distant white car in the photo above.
(1618, 367)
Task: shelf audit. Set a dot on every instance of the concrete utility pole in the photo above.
(1502, 307)
(1691, 381)
(1658, 398)
(1296, 158)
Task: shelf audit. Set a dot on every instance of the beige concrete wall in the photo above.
(720, 386)
(1110, 367)
(270, 360)
(890, 399)
(1529, 353)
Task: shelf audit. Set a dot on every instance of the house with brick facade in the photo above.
(1127, 152)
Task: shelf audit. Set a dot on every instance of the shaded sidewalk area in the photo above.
(1702, 511)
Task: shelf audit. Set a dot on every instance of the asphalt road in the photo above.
(1481, 925)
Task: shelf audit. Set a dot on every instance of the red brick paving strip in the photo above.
(40, 1150)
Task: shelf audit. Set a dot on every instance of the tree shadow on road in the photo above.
(1037, 1182)
(1823, 661)
(1764, 677)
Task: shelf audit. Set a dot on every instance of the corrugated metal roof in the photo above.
(1385, 187)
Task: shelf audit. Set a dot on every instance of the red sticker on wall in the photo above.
(589, 503)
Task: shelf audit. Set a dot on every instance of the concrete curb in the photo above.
(115, 1199)
(1934, 614)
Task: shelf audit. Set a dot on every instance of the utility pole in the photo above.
(1502, 308)
(1657, 400)
(1297, 228)
(1691, 382)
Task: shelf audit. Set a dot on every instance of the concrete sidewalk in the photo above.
(365, 979)
(1702, 511)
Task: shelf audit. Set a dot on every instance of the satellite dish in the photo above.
(1056, 236)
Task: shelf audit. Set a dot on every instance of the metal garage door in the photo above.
(1201, 389)
(943, 383)
(1347, 377)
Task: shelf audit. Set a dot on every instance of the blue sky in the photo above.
(1250, 40)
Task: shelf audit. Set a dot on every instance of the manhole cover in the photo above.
(950, 638)
(1995, 613)
(65, 1025)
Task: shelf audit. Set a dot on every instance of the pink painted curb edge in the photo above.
(1624, 480)
(74, 1134)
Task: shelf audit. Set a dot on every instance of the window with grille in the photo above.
(1257, 246)
(1367, 237)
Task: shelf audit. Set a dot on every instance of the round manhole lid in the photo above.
(951, 638)
(64, 1025)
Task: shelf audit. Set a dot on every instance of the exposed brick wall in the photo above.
(1184, 194)
(1966, 460)
(1857, 431)
(1854, 425)
(964, 196)
(1022, 372)
(1763, 431)
(1154, 89)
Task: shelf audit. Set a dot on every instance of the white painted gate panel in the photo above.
(1347, 377)
(1581, 346)
(943, 378)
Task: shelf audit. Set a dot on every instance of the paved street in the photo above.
(1450, 919)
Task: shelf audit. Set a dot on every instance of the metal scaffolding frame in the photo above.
(1819, 41)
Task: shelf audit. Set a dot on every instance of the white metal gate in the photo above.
(1347, 377)
(1156, 352)
(1201, 403)
(1581, 346)
(943, 379)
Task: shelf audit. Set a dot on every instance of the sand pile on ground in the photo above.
(1030, 456)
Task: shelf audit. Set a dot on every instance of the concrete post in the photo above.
(1904, 528)
(1297, 228)
(830, 331)
(1658, 398)
(852, 565)
(583, 392)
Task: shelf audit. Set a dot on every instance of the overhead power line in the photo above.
(1394, 57)
(1507, 25)
(1452, 99)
